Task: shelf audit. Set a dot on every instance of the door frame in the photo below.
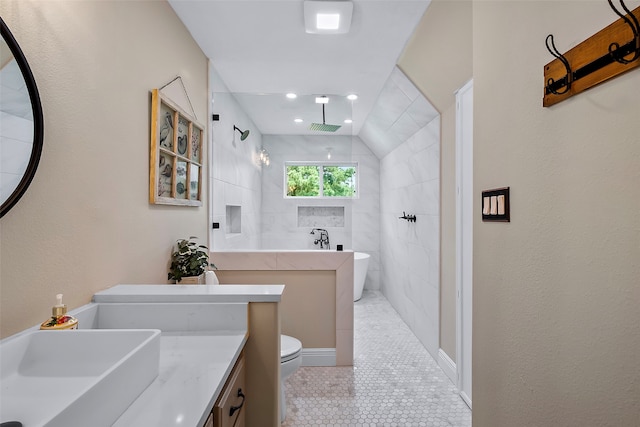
(464, 240)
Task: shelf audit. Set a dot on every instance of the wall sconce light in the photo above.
(243, 134)
(264, 157)
(328, 153)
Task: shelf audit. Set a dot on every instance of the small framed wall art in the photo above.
(175, 166)
(495, 205)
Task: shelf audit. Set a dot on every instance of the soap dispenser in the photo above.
(60, 319)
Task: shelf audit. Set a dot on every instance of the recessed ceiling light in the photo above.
(298, 120)
(327, 17)
(348, 121)
(352, 97)
(327, 21)
(291, 95)
(322, 99)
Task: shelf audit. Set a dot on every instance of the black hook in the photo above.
(410, 218)
(615, 50)
(566, 80)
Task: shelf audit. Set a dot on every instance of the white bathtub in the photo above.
(360, 266)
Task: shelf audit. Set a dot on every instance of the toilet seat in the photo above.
(290, 348)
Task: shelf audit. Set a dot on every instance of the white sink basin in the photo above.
(75, 378)
(168, 317)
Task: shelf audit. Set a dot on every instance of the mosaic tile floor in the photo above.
(394, 380)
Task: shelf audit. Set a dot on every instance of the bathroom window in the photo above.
(328, 180)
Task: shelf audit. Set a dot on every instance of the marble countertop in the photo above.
(193, 370)
(316, 251)
(200, 343)
(190, 293)
(194, 364)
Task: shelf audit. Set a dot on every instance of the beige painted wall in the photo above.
(556, 325)
(85, 223)
(308, 305)
(448, 232)
(556, 291)
(438, 59)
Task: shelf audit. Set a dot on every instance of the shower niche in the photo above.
(320, 216)
(233, 219)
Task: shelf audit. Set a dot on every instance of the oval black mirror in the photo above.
(21, 122)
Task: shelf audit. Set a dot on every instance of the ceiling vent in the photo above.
(327, 17)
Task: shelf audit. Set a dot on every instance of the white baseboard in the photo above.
(318, 357)
(448, 366)
(466, 399)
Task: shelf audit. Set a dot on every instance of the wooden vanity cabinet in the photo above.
(229, 409)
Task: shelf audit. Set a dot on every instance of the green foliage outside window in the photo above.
(303, 181)
(337, 181)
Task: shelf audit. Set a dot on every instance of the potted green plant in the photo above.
(189, 261)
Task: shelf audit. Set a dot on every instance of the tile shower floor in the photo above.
(393, 382)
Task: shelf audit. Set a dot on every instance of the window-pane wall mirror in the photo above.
(21, 122)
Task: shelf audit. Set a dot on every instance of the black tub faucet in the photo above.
(323, 239)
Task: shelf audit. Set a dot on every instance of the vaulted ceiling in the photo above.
(261, 47)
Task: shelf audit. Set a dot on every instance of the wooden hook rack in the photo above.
(610, 52)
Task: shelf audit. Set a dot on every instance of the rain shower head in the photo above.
(243, 134)
(323, 127)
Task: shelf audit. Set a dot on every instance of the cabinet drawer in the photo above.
(229, 410)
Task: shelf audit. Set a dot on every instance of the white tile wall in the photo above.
(235, 173)
(400, 111)
(280, 218)
(408, 141)
(270, 221)
(403, 130)
(366, 211)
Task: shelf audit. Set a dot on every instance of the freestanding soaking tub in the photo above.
(360, 265)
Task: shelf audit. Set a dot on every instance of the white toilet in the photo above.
(290, 361)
